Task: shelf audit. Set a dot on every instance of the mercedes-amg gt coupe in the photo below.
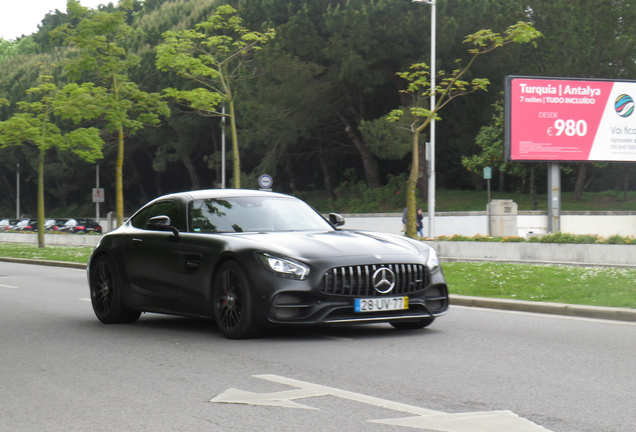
(254, 259)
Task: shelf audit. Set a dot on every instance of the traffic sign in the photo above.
(98, 195)
(265, 181)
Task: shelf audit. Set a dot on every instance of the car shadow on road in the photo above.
(171, 324)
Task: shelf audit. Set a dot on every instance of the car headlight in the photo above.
(284, 267)
(433, 261)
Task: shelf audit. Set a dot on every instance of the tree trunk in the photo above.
(119, 177)
(371, 170)
(194, 177)
(626, 170)
(326, 173)
(235, 149)
(411, 226)
(533, 188)
(580, 182)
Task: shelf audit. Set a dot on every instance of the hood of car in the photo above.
(316, 245)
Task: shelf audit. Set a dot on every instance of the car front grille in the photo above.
(358, 280)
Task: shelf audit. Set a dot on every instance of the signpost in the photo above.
(487, 177)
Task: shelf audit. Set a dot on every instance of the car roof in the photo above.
(221, 193)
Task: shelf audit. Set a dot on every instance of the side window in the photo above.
(166, 208)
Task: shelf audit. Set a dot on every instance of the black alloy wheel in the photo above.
(106, 293)
(233, 302)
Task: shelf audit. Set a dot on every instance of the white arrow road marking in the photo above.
(487, 421)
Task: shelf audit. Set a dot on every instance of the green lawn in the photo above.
(593, 286)
(77, 254)
(596, 286)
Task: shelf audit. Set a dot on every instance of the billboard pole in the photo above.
(554, 197)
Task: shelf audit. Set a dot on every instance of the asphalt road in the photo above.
(473, 370)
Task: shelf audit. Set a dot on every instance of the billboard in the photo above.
(570, 120)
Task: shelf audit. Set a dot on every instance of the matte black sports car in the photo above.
(252, 259)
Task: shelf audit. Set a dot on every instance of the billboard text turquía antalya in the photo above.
(565, 120)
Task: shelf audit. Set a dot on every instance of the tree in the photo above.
(450, 87)
(585, 38)
(100, 37)
(215, 55)
(358, 45)
(24, 45)
(36, 125)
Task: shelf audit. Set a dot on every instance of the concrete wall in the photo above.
(584, 254)
(613, 255)
(51, 239)
(473, 223)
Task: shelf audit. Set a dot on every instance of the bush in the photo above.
(558, 237)
(356, 197)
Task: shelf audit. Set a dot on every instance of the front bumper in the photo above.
(302, 307)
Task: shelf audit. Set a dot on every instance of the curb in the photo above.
(597, 312)
(45, 263)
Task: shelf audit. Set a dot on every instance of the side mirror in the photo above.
(336, 220)
(161, 223)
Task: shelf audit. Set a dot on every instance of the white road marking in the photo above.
(8, 286)
(84, 299)
(487, 421)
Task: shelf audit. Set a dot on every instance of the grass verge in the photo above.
(76, 254)
(591, 286)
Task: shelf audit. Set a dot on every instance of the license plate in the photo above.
(381, 304)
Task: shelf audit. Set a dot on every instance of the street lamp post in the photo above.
(17, 192)
(431, 152)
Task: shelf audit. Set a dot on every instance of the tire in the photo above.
(413, 325)
(107, 293)
(232, 297)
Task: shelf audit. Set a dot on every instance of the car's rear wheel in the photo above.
(106, 293)
(233, 308)
(413, 325)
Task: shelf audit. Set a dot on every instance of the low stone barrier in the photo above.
(544, 253)
(51, 239)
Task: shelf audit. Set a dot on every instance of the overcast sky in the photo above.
(21, 17)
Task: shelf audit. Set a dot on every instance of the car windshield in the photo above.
(253, 214)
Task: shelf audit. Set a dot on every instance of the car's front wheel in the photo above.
(232, 298)
(106, 293)
(413, 325)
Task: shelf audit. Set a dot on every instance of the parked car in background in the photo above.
(81, 226)
(23, 225)
(87, 226)
(68, 227)
(48, 225)
(8, 224)
(56, 224)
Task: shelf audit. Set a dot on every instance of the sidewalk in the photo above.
(607, 313)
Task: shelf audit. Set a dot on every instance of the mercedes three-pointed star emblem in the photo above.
(383, 280)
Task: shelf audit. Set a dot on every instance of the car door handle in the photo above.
(137, 241)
